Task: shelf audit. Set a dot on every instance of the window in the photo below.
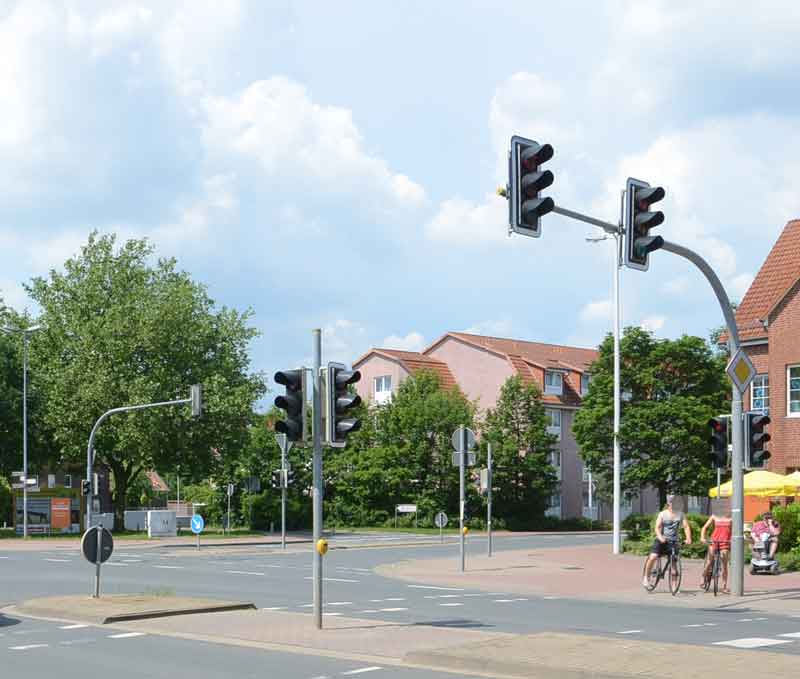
(383, 388)
(51, 480)
(555, 501)
(553, 422)
(759, 393)
(585, 378)
(554, 457)
(793, 387)
(67, 480)
(553, 382)
(694, 504)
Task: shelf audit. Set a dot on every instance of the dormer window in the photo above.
(553, 382)
(585, 379)
(383, 389)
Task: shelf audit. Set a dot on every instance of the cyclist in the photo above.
(668, 525)
(721, 537)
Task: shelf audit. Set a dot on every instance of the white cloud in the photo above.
(467, 223)
(494, 328)
(653, 323)
(677, 286)
(738, 286)
(596, 311)
(413, 341)
(344, 340)
(12, 294)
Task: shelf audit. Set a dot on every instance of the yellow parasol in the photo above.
(793, 483)
(758, 483)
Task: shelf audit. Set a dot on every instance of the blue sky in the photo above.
(333, 164)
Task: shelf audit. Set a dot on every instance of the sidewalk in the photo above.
(593, 573)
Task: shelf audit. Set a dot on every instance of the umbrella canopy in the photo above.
(758, 483)
(793, 483)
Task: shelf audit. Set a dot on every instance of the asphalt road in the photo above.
(273, 579)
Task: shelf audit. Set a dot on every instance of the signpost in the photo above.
(488, 471)
(441, 521)
(405, 509)
(463, 439)
(230, 494)
(197, 526)
(285, 445)
(97, 545)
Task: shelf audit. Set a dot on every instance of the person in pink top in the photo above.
(768, 525)
(720, 539)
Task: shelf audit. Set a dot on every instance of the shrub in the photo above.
(637, 524)
(789, 518)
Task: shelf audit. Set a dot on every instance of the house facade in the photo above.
(479, 366)
(768, 321)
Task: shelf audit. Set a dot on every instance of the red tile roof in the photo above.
(156, 482)
(778, 274)
(414, 362)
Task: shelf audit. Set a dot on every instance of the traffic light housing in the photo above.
(526, 180)
(719, 440)
(276, 478)
(638, 220)
(339, 402)
(289, 477)
(755, 440)
(196, 399)
(86, 487)
(293, 401)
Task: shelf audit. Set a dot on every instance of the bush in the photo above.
(212, 498)
(637, 524)
(789, 518)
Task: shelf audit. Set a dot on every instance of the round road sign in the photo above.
(197, 524)
(456, 439)
(440, 520)
(89, 544)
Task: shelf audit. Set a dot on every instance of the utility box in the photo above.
(105, 520)
(161, 524)
(136, 519)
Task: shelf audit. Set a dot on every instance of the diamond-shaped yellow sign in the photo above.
(741, 370)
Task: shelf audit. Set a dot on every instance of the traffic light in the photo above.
(338, 402)
(638, 221)
(526, 180)
(294, 403)
(289, 477)
(196, 399)
(755, 438)
(86, 487)
(276, 478)
(719, 441)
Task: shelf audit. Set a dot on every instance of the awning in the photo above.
(759, 483)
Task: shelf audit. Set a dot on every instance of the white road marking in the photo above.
(445, 589)
(369, 610)
(170, 567)
(76, 642)
(759, 619)
(791, 635)
(334, 579)
(631, 631)
(745, 620)
(126, 635)
(361, 671)
(503, 601)
(59, 560)
(449, 596)
(751, 642)
(73, 626)
(26, 648)
(306, 605)
(693, 625)
(116, 563)
(245, 573)
(392, 610)
(473, 595)
(395, 598)
(3, 557)
(132, 560)
(331, 614)
(340, 603)
(452, 604)
(550, 598)
(276, 608)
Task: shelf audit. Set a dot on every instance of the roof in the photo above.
(776, 278)
(156, 482)
(414, 362)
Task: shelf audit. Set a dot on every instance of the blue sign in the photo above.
(197, 524)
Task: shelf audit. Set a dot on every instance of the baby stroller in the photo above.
(760, 561)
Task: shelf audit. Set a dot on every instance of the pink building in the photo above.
(480, 366)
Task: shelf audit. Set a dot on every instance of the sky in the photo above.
(334, 165)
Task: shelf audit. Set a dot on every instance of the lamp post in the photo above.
(25, 332)
(616, 538)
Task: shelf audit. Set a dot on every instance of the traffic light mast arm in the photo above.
(606, 226)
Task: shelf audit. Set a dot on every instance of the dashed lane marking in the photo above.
(452, 604)
(27, 647)
(245, 573)
(274, 608)
(73, 626)
(340, 603)
(369, 610)
(331, 614)
(59, 560)
(126, 635)
(333, 579)
(395, 598)
(169, 567)
(361, 670)
(392, 610)
(630, 631)
(752, 642)
(791, 635)
(444, 589)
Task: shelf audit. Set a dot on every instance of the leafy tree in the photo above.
(674, 387)
(121, 329)
(522, 474)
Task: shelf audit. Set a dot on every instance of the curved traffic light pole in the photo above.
(737, 471)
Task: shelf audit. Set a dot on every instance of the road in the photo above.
(276, 580)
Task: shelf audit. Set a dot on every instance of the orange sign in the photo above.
(60, 513)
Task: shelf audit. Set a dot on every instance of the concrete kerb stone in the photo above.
(122, 608)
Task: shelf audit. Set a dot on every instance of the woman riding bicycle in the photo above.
(720, 539)
(668, 525)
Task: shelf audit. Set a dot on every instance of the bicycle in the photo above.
(672, 564)
(712, 575)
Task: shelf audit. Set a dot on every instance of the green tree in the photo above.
(122, 329)
(673, 387)
(523, 476)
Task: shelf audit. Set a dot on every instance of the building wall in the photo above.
(478, 373)
(572, 484)
(784, 350)
(376, 366)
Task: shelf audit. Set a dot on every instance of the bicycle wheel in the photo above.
(706, 575)
(717, 567)
(675, 574)
(654, 575)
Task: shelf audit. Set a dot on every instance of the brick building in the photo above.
(768, 320)
(480, 366)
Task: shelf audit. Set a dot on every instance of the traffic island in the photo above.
(122, 607)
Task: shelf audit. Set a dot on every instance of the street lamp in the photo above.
(25, 332)
(616, 539)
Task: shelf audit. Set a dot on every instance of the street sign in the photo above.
(230, 489)
(283, 443)
(89, 544)
(484, 480)
(468, 462)
(741, 371)
(456, 439)
(440, 519)
(197, 524)
(406, 509)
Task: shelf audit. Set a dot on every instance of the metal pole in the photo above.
(229, 510)
(489, 495)
(283, 496)
(617, 525)
(97, 569)
(719, 483)
(25, 434)
(591, 503)
(317, 435)
(737, 476)
(462, 446)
